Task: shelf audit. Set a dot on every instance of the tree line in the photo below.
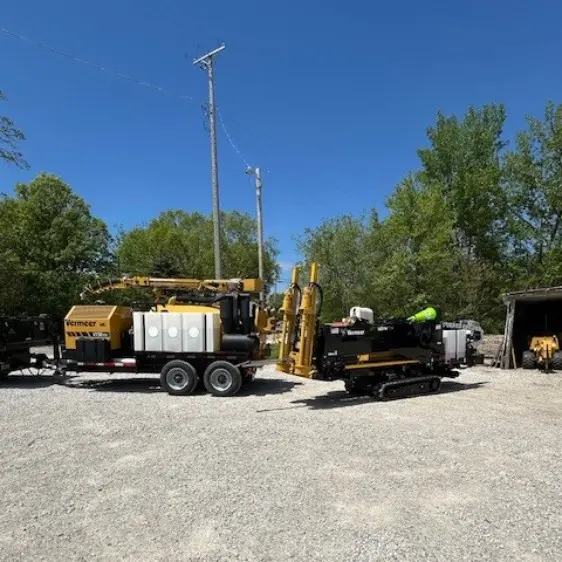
(52, 247)
(479, 217)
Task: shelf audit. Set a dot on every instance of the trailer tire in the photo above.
(222, 378)
(528, 360)
(178, 378)
(557, 360)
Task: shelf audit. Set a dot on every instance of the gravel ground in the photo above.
(289, 470)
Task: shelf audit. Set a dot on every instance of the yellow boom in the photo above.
(159, 283)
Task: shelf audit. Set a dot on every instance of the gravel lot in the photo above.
(289, 470)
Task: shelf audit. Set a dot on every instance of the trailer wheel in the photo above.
(528, 360)
(222, 378)
(178, 378)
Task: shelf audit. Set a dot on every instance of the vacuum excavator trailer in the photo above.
(217, 341)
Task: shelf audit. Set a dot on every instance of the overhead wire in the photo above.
(128, 78)
(229, 138)
(95, 65)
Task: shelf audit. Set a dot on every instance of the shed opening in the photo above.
(535, 318)
(537, 312)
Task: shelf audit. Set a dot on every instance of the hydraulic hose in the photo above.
(321, 299)
(200, 298)
(296, 329)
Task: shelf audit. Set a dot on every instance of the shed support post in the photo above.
(508, 352)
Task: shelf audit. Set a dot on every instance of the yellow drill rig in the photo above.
(387, 358)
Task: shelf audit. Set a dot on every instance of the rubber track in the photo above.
(407, 387)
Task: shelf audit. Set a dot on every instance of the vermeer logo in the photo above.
(85, 323)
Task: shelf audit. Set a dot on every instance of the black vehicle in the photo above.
(18, 335)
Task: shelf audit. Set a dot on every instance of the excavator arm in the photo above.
(177, 284)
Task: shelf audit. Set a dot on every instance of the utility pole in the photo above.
(256, 172)
(206, 62)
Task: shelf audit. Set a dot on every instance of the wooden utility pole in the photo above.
(256, 172)
(206, 62)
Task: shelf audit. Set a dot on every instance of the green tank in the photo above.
(429, 314)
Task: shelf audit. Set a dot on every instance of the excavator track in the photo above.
(407, 387)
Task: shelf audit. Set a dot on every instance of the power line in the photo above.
(232, 143)
(105, 69)
(118, 74)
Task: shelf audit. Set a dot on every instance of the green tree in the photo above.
(275, 300)
(339, 246)
(464, 162)
(10, 137)
(533, 176)
(183, 243)
(444, 240)
(50, 247)
(165, 266)
(416, 252)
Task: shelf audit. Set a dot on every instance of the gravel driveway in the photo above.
(289, 470)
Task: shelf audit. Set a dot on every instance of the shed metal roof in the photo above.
(546, 293)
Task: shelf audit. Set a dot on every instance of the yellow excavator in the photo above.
(543, 353)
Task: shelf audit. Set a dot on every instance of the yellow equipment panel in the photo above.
(97, 322)
(252, 285)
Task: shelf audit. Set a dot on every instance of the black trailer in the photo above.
(222, 373)
(18, 335)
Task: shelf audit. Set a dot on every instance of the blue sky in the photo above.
(332, 99)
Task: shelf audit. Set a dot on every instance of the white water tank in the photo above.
(193, 332)
(362, 313)
(173, 330)
(213, 332)
(177, 332)
(454, 342)
(138, 331)
(153, 337)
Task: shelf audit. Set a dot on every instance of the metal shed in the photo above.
(532, 312)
